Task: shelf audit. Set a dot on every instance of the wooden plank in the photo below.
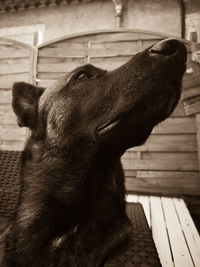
(27, 38)
(197, 119)
(68, 45)
(179, 110)
(57, 67)
(5, 97)
(118, 48)
(192, 108)
(180, 252)
(15, 128)
(14, 51)
(181, 125)
(144, 200)
(190, 82)
(168, 174)
(191, 92)
(61, 60)
(191, 100)
(7, 81)
(130, 173)
(132, 198)
(45, 83)
(109, 58)
(159, 232)
(168, 156)
(7, 117)
(128, 36)
(66, 49)
(109, 63)
(161, 164)
(50, 75)
(8, 42)
(10, 145)
(17, 65)
(12, 134)
(189, 230)
(130, 155)
(4, 107)
(163, 186)
(169, 143)
(116, 36)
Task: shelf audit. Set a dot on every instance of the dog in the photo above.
(71, 210)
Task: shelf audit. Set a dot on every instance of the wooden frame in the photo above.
(107, 31)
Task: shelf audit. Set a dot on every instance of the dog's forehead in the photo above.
(52, 93)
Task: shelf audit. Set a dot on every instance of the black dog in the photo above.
(72, 205)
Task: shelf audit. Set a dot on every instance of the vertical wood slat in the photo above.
(32, 65)
(189, 229)
(179, 247)
(159, 232)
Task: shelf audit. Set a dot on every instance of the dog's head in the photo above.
(91, 108)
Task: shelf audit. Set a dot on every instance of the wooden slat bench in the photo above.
(175, 235)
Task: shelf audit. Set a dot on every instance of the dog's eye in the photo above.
(82, 75)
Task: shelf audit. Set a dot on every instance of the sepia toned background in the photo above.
(42, 40)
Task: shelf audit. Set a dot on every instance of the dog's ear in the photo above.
(25, 103)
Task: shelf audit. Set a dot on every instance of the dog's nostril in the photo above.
(166, 47)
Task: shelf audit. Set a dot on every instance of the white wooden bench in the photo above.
(175, 235)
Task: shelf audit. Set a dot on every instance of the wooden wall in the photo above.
(15, 65)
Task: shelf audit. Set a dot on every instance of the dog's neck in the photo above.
(55, 179)
(55, 201)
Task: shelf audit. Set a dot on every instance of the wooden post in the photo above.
(195, 48)
(33, 69)
(197, 119)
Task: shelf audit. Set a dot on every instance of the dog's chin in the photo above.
(158, 108)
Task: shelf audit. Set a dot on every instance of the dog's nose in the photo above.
(167, 47)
